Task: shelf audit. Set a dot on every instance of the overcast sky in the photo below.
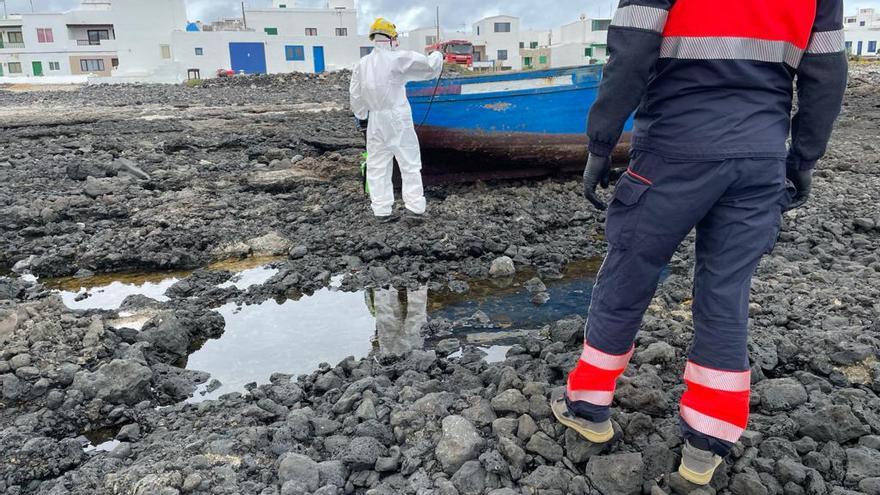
(411, 14)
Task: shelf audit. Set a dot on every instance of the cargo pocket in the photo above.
(625, 211)
(785, 200)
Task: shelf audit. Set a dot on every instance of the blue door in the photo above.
(318, 52)
(859, 48)
(248, 57)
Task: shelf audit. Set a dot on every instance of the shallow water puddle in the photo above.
(293, 337)
(508, 304)
(107, 446)
(250, 277)
(109, 291)
(103, 440)
(494, 354)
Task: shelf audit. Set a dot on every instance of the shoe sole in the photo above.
(560, 410)
(696, 478)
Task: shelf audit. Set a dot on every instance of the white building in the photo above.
(496, 40)
(284, 38)
(862, 33)
(99, 39)
(584, 41)
(144, 37)
(81, 41)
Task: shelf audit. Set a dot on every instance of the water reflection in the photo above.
(400, 319)
(292, 337)
(494, 353)
(248, 278)
(295, 336)
(111, 296)
(110, 290)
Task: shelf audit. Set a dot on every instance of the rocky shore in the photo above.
(155, 178)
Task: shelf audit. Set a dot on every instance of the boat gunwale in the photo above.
(520, 93)
(511, 76)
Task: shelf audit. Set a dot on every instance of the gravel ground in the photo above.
(159, 178)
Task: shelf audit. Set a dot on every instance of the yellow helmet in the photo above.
(383, 26)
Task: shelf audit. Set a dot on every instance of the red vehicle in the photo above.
(455, 52)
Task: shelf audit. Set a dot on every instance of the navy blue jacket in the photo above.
(714, 80)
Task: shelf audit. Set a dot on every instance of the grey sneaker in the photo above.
(597, 433)
(387, 218)
(698, 466)
(414, 218)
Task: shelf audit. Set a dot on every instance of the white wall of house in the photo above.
(291, 21)
(863, 29)
(575, 54)
(339, 53)
(584, 30)
(418, 39)
(486, 33)
(142, 29)
(540, 38)
(581, 42)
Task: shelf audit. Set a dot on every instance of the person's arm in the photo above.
(417, 67)
(634, 39)
(821, 83)
(356, 100)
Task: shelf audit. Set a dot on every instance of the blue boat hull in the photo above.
(518, 123)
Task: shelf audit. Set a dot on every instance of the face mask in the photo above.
(387, 43)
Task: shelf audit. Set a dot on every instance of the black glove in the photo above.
(598, 172)
(803, 184)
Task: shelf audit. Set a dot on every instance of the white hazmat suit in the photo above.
(378, 90)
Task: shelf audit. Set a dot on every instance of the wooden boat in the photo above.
(515, 124)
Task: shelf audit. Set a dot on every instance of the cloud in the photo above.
(411, 14)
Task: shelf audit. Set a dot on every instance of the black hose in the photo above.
(433, 96)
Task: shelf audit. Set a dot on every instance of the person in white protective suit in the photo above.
(378, 94)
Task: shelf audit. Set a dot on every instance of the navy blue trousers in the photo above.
(735, 205)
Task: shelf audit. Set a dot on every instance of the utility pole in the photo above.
(32, 5)
(5, 14)
(243, 16)
(438, 25)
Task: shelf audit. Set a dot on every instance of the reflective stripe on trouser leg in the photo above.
(716, 402)
(595, 376)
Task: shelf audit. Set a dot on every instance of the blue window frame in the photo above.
(295, 53)
(872, 46)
